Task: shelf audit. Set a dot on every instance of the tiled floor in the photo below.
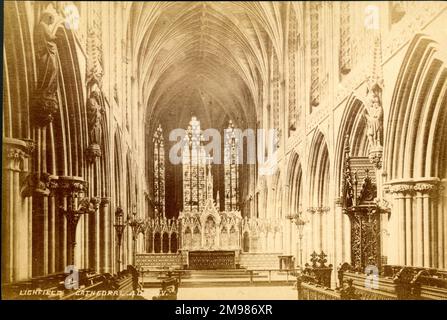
(231, 293)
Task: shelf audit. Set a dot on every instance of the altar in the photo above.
(207, 260)
(210, 239)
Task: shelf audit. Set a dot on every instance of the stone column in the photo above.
(409, 221)
(397, 248)
(339, 256)
(105, 228)
(169, 244)
(429, 239)
(442, 225)
(417, 229)
(153, 242)
(16, 252)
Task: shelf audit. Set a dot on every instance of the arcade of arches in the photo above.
(356, 93)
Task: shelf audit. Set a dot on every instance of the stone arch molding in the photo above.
(415, 157)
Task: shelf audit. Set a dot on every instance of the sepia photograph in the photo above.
(224, 150)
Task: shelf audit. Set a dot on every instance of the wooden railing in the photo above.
(251, 274)
(393, 283)
(399, 283)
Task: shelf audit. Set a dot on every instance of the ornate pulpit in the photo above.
(359, 203)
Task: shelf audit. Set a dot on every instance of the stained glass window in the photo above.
(231, 165)
(194, 168)
(159, 173)
(345, 38)
(292, 46)
(315, 8)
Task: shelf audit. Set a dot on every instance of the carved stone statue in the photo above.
(210, 233)
(374, 117)
(95, 112)
(46, 99)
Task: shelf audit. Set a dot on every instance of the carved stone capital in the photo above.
(37, 183)
(426, 187)
(73, 187)
(401, 188)
(93, 152)
(45, 109)
(14, 153)
(320, 210)
(105, 201)
(30, 145)
(86, 205)
(375, 156)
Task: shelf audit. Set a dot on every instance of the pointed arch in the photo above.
(318, 171)
(415, 156)
(295, 183)
(353, 127)
(418, 121)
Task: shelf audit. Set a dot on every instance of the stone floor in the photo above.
(231, 293)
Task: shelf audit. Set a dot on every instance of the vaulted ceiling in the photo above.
(203, 58)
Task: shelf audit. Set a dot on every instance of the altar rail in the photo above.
(92, 286)
(252, 276)
(259, 260)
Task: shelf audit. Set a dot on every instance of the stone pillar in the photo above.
(418, 233)
(314, 231)
(398, 244)
(153, 242)
(409, 221)
(169, 244)
(16, 252)
(429, 196)
(442, 225)
(339, 256)
(105, 236)
(415, 223)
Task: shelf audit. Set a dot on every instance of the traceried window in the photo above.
(276, 105)
(292, 49)
(194, 160)
(345, 38)
(231, 162)
(159, 173)
(315, 12)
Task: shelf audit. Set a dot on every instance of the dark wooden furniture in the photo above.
(91, 286)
